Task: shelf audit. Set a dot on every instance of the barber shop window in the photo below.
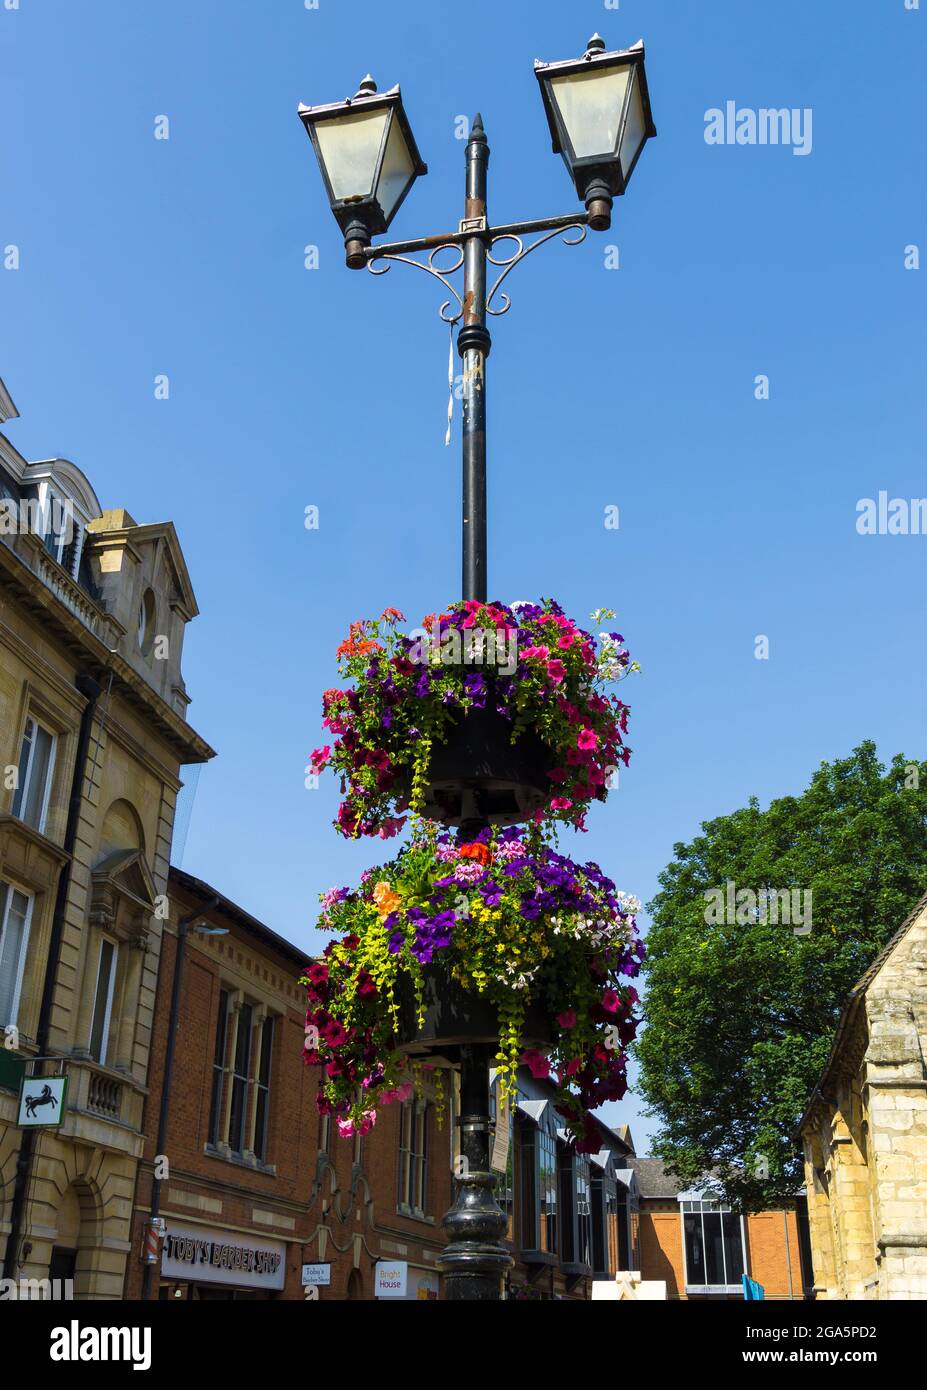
(240, 1073)
(413, 1157)
(262, 1083)
(714, 1247)
(240, 1099)
(218, 1067)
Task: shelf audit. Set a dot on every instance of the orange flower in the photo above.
(393, 615)
(386, 898)
(477, 851)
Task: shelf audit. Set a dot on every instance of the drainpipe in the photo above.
(152, 1225)
(788, 1253)
(90, 689)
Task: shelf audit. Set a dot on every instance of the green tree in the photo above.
(741, 1015)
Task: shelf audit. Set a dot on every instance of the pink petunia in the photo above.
(567, 1019)
(561, 803)
(587, 739)
(556, 670)
(318, 760)
(537, 1063)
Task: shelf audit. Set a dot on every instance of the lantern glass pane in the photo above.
(635, 130)
(350, 147)
(397, 171)
(591, 105)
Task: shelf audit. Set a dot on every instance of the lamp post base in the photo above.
(475, 1262)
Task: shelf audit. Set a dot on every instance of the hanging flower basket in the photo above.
(447, 1017)
(485, 712)
(502, 941)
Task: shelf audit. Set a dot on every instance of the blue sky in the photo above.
(631, 388)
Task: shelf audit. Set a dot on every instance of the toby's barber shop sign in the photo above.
(201, 1255)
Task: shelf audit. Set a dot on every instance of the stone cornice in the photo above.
(94, 653)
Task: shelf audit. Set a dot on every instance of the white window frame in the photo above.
(11, 888)
(108, 1013)
(715, 1207)
(23, 789)
(413, 1157)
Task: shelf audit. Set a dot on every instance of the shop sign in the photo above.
(391, 1280)
(41, 1101)
(316, 1276)
(206, 1255)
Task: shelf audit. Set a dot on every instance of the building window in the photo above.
(528, 1186)
(413, 1129)
(33, 783)
(60, 531)
(714, 1247)
(262, 1112)
(504, 1178)
(218, 1067)
(147, 613)
(240, 1076)
(547, 1190)
(103, 1000)
(243, 1052)
(15, 918)
(541, 1212)
(583, 1211)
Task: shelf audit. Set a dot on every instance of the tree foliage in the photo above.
(741, 1015)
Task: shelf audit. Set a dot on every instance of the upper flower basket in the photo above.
(487, 713)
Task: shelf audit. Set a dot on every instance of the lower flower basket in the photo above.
(456, 1017)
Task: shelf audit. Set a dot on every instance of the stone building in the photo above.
(865, 1133)
(93, 738)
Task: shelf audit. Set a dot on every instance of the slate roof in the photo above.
(653, 1178)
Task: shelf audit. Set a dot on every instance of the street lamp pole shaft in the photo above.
(473, 344)
(475, 1261)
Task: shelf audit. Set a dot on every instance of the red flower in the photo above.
(477, 851)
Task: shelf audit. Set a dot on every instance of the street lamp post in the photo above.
(598, 110)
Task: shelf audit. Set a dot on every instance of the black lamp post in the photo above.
(598, 109)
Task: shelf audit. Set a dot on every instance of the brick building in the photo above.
(701, 1249)
(257, 1184)
(252, 1167)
